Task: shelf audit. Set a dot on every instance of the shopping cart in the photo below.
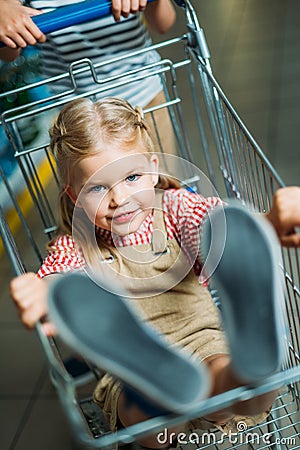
(234, 163)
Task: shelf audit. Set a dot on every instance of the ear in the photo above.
(72, 195)
(154, 163)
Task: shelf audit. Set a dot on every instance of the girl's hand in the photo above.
(285, 215)
(17, 30)
(125, 7)
(30, 296)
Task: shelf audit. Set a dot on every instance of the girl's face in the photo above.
(116, 188)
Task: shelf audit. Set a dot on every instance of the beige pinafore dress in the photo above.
(183, 312)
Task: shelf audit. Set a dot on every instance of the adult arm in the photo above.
(160, 15)
(17, 29)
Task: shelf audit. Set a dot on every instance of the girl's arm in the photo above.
(285, 215)
(17, 30)
(30, 295)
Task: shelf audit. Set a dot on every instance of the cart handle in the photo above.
(67, 16)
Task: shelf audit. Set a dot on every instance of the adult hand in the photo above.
(17, 30)
(125, 7)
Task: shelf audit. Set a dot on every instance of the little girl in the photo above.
(122, 219)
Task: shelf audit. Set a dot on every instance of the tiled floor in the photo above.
(255, 47)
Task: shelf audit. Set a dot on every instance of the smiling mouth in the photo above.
(124, 217)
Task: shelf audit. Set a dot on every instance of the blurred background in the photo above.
(255, 48)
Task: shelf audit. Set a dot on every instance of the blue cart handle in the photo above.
(67, 16)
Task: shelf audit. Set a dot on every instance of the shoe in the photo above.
(250, 285)
(79, 371)
(102, 326)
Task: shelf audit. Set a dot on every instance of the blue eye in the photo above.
(133, 177)
(97, 188)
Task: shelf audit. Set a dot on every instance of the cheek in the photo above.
(147, 197)
(94, 207)
(147, 194)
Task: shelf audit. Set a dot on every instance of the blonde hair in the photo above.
(76, 134)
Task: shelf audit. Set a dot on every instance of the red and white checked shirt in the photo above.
(184, 213)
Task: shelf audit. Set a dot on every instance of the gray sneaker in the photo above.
(101, 326)
(249, 279)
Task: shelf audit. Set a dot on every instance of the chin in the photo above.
(124, 232)
(127, 229)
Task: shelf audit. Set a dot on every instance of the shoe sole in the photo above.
(104, 329)
(250, 286)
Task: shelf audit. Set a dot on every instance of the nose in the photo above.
(118, 195)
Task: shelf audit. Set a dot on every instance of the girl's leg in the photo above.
(129, 413)
(244, 265)
(223, 379)
(245, 270)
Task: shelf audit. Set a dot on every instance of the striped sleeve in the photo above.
(63, 256)
(186, 212)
